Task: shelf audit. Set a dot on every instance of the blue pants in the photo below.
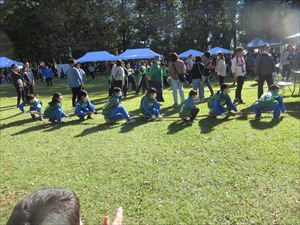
(57, 115)
(154, 111)
(198, 85)
(119, 113)
(38, 109)
(276, 110)
(220, 110)
(90, 109)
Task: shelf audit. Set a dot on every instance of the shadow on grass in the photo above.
(127, 127)
(44, 126)
(207, 124)
(293, 109)
(5, 108)
(263, 125)
(98, 128)
(177, 126)
(16, 123)
(168, 111)
(6, 118)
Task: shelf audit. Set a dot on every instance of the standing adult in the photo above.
(238, 68)
(74, 81)
(118, 75)
(156, 79)
(18, 83)
(92, 71)
(197, 75)
(48, 74)
(285, 61)
(28, 78)
(264, 68)
(125, 80)
(207, 70)
(81, 72)
(142, 78)
(177, 70)
(131, 79)
(189, 65)
(221, 68)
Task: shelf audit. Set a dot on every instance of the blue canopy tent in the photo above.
(97, 56)
(6, 62)
(192, 52)
(139, 53)
(216, 50)
(259, 42)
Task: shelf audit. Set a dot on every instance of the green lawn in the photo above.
(225, 171)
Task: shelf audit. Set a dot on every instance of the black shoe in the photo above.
(241, 101)
(257, 116)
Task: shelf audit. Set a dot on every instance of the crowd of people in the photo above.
(61, 206)
(151, 78)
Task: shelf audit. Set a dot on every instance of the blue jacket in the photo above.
(83, 107)
(47, 72)
(35, 106)
(74, 77)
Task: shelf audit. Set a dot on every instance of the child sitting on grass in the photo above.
(270, 101)
(217, 101)
(35, 106)
(188, 109)
(84, 107)
(113, 111)
(150, 107)
(54, 111)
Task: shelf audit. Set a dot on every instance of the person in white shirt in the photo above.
(238, 67)
(118, 75)
(189, 65)
(81, 72)
(221, 68)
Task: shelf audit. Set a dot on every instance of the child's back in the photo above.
(110, 105)
(268, 100)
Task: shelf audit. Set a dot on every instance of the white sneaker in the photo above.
(159, 117)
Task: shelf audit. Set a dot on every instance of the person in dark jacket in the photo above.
(197, 75)
(264, 68)
(18, 83)
(28, 79)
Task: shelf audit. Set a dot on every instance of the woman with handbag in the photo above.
(177, 70)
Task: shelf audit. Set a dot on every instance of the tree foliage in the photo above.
(56, 29)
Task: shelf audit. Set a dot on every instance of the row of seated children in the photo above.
(150, 107)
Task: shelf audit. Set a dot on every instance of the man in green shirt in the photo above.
(131, 79)
(156, 78)
(270, 101)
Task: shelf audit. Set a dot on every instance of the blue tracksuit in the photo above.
(54, 113)
(82, 108)
(113, 110)
(35, 106)
(217, 101)
(269, 101)
(150, 106)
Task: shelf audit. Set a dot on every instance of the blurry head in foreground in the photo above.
(47, 207)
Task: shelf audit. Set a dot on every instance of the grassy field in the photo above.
(226, 171)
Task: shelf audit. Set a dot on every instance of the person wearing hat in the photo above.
(156, 78)
(270, 101)
(264, 68)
